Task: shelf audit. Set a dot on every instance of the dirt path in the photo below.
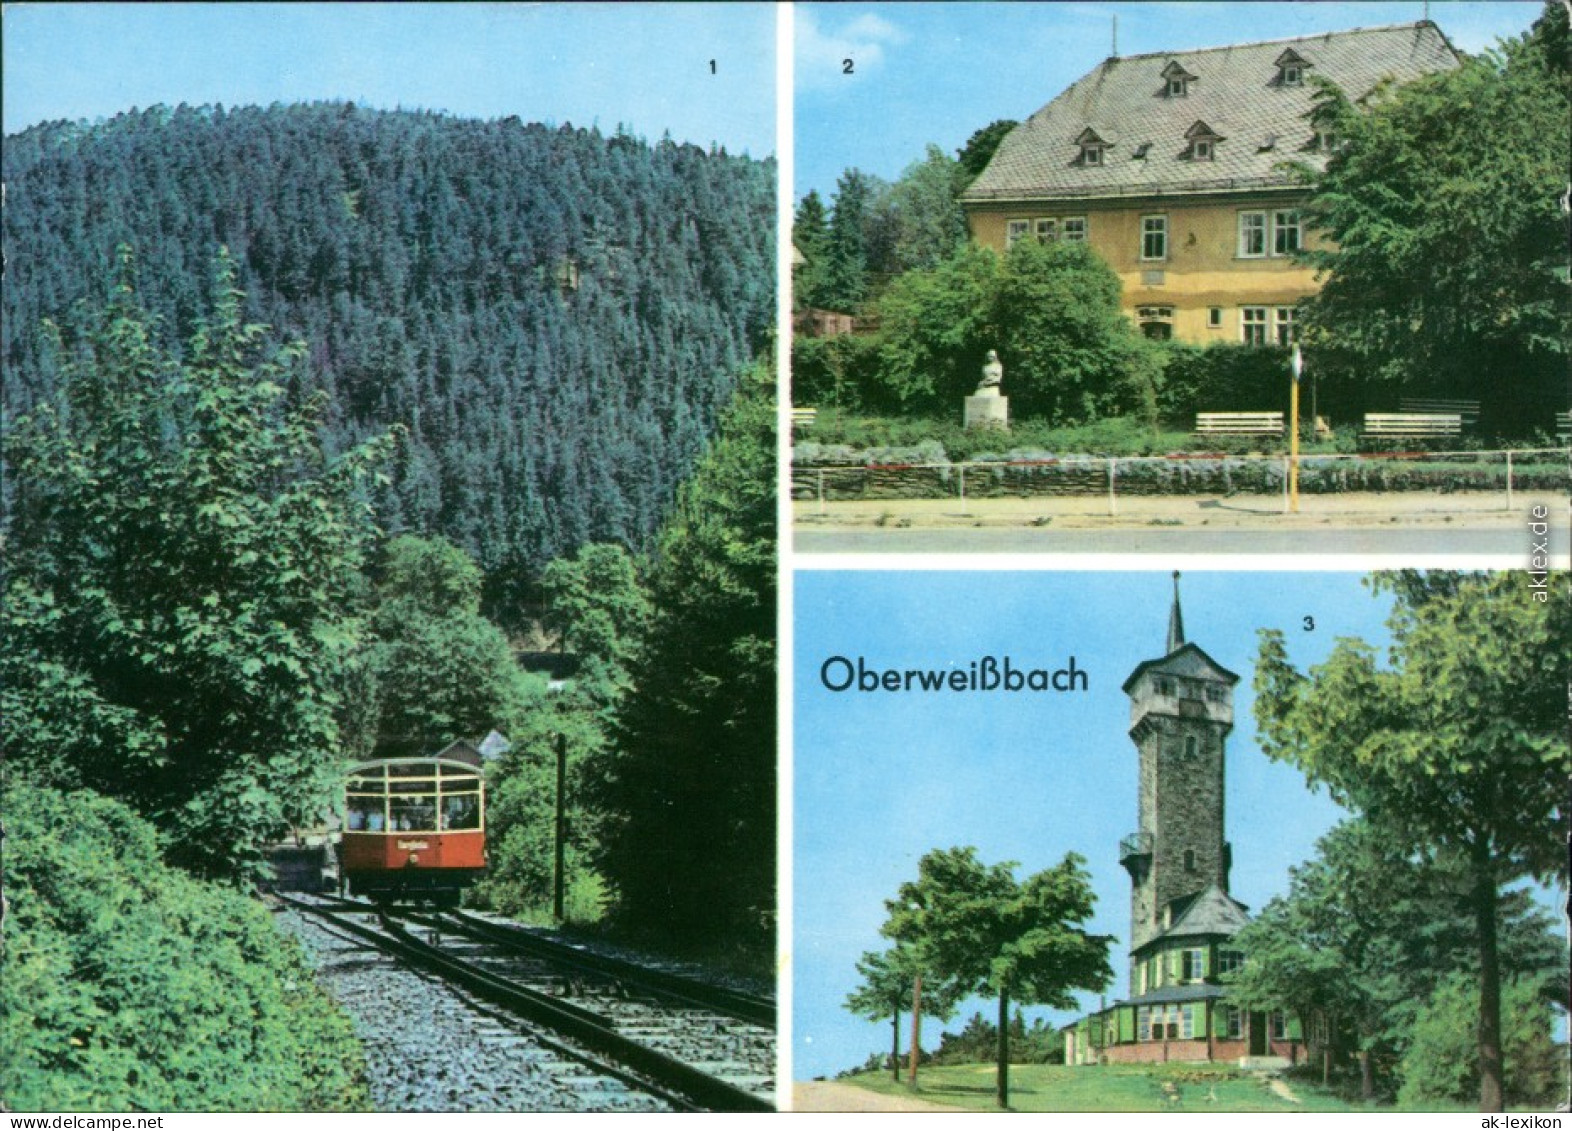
(1281, 1088)
(821, 1095)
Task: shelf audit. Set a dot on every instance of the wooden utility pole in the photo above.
(1297, 365)
(562, 828)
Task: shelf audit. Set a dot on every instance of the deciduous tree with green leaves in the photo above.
(888, 979)
(181, 566)
(1457, 747)
(1444, 203)
(977, 925)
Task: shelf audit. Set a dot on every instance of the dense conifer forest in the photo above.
(555, 316)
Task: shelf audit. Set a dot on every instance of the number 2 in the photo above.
(846, 67)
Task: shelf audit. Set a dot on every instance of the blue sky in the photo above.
(880, 779)
(938, 72)
(646, 65)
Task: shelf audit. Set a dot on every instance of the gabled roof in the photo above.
(1237, 92)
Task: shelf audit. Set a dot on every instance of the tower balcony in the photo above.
(1133, 846)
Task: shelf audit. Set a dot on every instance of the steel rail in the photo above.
(582, 1025)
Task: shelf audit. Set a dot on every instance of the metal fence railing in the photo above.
(1504, 469)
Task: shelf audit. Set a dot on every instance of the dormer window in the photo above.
(1203, 142)
(1291, 67)
(1092, 147)
(1176, 81)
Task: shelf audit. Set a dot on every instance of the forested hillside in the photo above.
(555, 316)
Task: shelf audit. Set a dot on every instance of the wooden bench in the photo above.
(1403, 424)
(1467, 410)
(1239, 423)
(803, 418)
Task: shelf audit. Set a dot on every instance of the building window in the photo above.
(1091, 155)
(1252, 325)
(1287, 232)
(1154, 237)
(1293, 75)
(1284, 327)
(1074, 228)
(1178, 87)
(1195, 957)
(1186, 1022)
(1047, 230)
(1228, 961)
(1214, 321)
(1016, 230)
(1252, 235)
(1201, 149)
(1191, 746)
(1143, 1022)
(1279, 1022)
(1233, 1022)
(1215, 694)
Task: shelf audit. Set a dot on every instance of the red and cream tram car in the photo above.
(415, 828)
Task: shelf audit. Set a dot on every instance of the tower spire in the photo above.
(1175, 622)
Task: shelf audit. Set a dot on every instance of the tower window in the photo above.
(1189, 860)
(1191, 748)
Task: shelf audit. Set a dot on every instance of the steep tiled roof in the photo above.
(1235, 91)
(1209, 912)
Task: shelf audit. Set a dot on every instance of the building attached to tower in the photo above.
(1182, 919)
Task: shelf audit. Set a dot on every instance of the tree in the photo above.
(975, 924)
(689, 794)
(1441, 1065)
(973, 157)
(598, 608)
(888, 978)
(927, 224)
(181, 573)
(934, 329)
(1069, 352)
(1447, 263)
(444, 672)
(1367, 931)
(1459, 747)
(846, 264)
(810, 235)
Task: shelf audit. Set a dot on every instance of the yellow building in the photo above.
(1173, 167)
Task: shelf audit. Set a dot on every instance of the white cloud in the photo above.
(823, 49)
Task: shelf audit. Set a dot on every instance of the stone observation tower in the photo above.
(1181, 710)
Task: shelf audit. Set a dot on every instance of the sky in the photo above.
(882, 778)
(936, 73)
(644, 65)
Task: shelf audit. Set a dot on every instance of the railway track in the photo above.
(695, 1046)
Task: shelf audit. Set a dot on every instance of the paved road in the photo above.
(1510, 545)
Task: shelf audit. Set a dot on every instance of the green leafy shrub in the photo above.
(131, 986)
(1441, 1066)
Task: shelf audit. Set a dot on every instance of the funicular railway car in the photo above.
(415, 828)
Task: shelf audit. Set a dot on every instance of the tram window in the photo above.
(460, 812)
(364, 814)
(414, 814)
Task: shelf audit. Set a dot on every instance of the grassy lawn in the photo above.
(1113, 1087)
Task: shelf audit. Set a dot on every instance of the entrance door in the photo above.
(1257, 1034)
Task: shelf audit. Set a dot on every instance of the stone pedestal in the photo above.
(988, 410)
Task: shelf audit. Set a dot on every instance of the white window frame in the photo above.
(1186, 1022)
(1197, 956)
(1073, 228)
(1253, 325)
(1046, 228)
(1202, 149)
(1214, 321)
(1279, 1025)
(1287, 225)
(1293, 74)
(1285, 326)
(1143, 1023)
(1091, 155)
(1159, 232)
(1178, 87)
(1016, 230)
(1233, 1022)
(1253, 236)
